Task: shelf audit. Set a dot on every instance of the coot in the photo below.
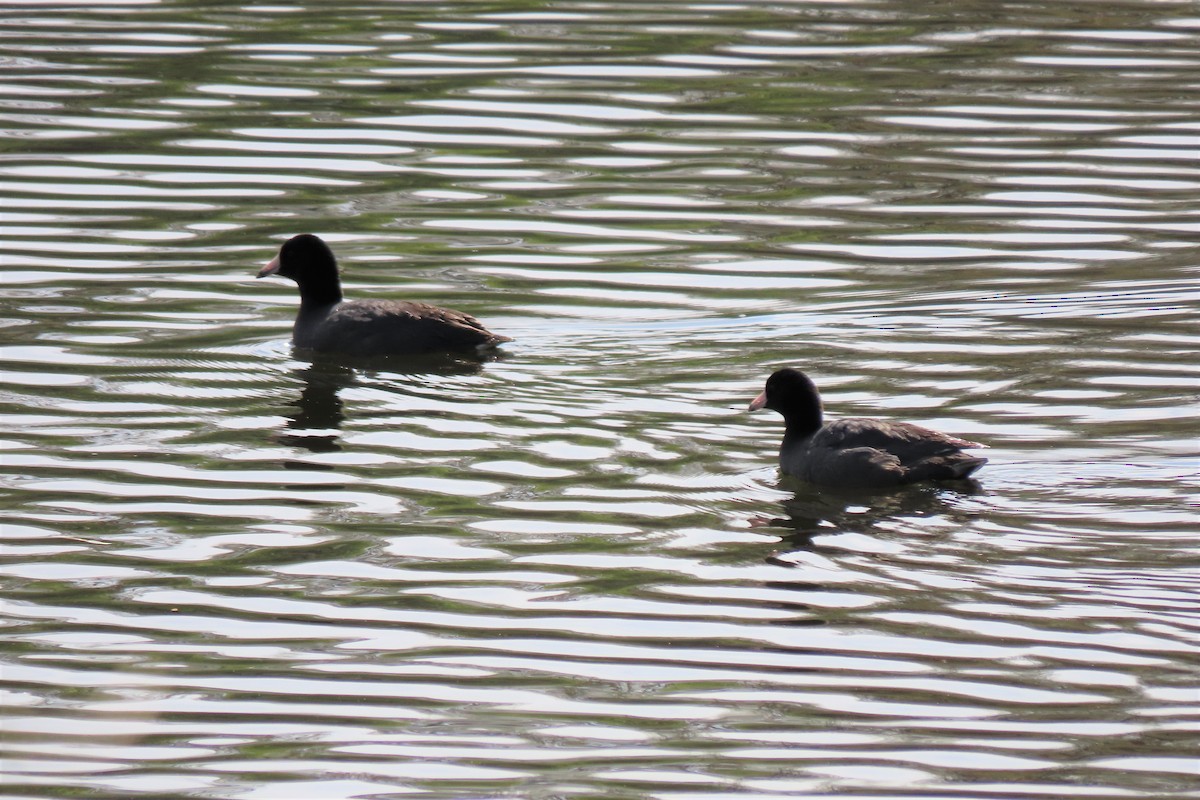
(327, 323)
(857, 452)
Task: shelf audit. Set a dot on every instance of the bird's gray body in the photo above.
(858, 452)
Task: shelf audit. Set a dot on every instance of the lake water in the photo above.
(574, 571)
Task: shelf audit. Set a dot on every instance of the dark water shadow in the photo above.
(317, 416)
(319, 412)
(467, 362)
(813, 511)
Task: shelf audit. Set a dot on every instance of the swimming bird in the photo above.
(857, 452)
(328, 323)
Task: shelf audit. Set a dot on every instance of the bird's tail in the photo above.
(953, 467)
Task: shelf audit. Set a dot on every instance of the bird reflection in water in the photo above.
(814, 511)
(317, 418)
(318, 413)
(817, 521)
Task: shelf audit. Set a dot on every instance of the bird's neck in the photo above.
(317, 295)
(317, 300)
(802, 422)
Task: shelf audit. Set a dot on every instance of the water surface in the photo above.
(574, 571)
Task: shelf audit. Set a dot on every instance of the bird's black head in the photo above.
(790, 392)
(308, 261)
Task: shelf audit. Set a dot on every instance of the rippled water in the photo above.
(574, 571)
